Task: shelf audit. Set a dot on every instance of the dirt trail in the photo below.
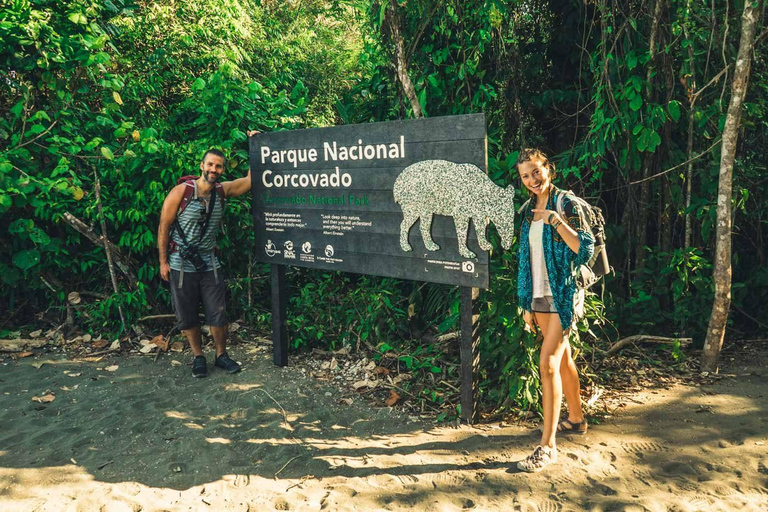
(147, 436)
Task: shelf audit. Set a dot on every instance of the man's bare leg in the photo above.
(195, 340)
(220, 339)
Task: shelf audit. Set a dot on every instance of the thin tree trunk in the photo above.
(110, 264)
(392, 19)
(642, 224)
(722, 271)
(691, 83)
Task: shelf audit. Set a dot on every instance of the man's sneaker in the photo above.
(199, 367)
(227, 363)
(538, 460)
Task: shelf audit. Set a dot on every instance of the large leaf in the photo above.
(26, 259)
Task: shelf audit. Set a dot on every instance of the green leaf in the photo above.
(26, 259)
(636, 102)
(21, 226)
(39, 236)
(673, 107)
(631, 60)
(78, 18)
(107, 153)
(198, 85)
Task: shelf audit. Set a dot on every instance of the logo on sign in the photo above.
(270, 248)
(306, 247)
(289, 252)
(329, 250)
(468, 266)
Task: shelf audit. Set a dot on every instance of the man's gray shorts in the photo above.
(199, 287)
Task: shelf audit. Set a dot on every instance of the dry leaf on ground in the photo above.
(44, 399)
(160, 342)
(100, 344)
(36, 334)
(177, 346)
(25, 354)
(379, 370)
(112, 368)
(364, 384)
(73, 298)
(393, 398)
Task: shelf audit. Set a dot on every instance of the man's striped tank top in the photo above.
(191, 222)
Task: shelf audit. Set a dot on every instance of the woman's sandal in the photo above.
(569, 427)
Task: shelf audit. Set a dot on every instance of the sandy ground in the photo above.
(147, 436)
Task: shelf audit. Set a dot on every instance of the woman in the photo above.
(550, 245)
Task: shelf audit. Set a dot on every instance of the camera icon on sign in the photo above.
(468, 266)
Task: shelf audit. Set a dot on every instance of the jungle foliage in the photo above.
(629, 96)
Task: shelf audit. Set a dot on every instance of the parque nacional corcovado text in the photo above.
(332, 152)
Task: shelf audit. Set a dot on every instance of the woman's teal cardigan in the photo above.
(561, 261)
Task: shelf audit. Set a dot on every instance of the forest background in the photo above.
(104, 104)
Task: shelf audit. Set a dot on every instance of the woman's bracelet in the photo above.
(556, 224)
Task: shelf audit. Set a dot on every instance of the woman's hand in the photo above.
(550, 217)
(530, 324)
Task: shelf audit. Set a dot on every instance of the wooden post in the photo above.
(470, 359)
(279, 307)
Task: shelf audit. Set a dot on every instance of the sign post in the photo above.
(404, 199)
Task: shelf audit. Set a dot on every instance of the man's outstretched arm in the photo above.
(239, 186)
(167, 216)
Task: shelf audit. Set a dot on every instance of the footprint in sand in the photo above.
(601, 488)
(679, 468)
(700, 502)
(762, 468)
(540, 506)
(723, 491)
(639, 448)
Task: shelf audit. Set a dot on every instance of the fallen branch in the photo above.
(638, 338)
(21, 344)
(122, 262)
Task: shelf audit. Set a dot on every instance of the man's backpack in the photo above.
(189, 194)
(592, 219)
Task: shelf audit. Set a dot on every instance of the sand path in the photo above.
(147, 436)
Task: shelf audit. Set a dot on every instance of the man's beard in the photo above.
(209, 180)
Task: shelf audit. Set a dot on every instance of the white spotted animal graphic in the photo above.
(461, 191)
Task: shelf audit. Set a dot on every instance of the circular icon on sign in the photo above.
(329, 250)
(270, 248)
(306, 247)
(468, 266)
(288, 245)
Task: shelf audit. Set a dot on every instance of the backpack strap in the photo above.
(560, 198)
(524, 206)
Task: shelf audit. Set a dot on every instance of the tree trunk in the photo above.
(691, 86)
(107, 250)
(392, 19)
(722, 271)
(642, 223)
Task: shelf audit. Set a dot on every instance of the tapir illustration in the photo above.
(461, 191)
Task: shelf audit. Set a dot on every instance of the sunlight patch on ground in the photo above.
(178, 415)
(241, 387)
(218, 440)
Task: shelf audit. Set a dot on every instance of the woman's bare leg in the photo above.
(552, 351)
(571, 389)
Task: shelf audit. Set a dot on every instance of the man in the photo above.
(192, 268)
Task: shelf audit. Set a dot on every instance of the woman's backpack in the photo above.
(592, 219)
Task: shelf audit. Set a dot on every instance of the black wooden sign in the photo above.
(404, 199)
